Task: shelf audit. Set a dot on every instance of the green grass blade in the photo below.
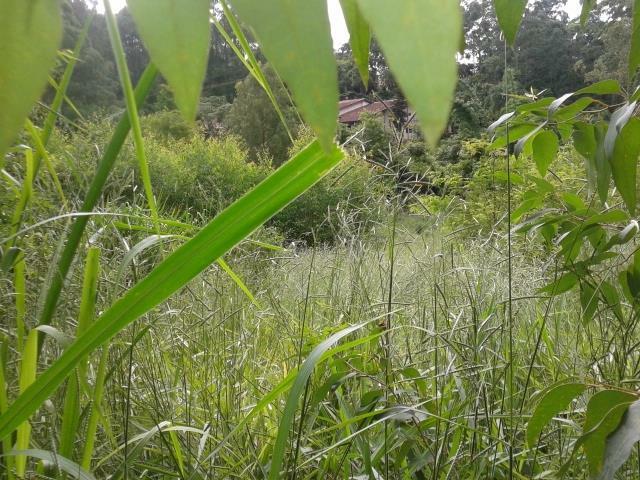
(20, 287)
(70, 418)
(94, 412)
(298, 387)
(237, 280)
(25, 195)
(64, 464)
(249, 60)
(28, 366)
(42, 153)
(93, 194)
(63, 85)
(225, 231)
(132, 108)
(4, 404)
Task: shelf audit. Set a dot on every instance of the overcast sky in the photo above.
(339, 29)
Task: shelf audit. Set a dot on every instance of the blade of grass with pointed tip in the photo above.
(4, 404)
(237, 280)
(176, 35)
(229, 228)
(28, 364)
(296, 38)
(132, 109)
(76, 232)
(64, 464)
(70, 417)
(298, 387)
(25, 194)
(20, 287)
(359, 37)
(423, 58)
(510, 13)
(250, 62)
(42, 153)
(30, 33)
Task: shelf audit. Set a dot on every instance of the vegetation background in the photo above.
(462, 310)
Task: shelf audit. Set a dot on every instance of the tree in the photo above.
(253, 117)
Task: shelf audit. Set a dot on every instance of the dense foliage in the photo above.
(208, 275)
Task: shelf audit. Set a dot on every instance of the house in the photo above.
(351, 111)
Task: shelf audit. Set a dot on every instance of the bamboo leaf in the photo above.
(176, 34)
(30, 33)
(553, 402)
(423, 57)
(510, 13)
(225, 231)
(624, 162)
(604, 412)
(296, 38)
(621, 442)
(359, 37)
(545, 149)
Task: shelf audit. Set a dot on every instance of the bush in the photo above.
(167, 125)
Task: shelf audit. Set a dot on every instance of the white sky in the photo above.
(338, 27)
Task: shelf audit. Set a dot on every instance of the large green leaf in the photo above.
(604, 412)
(176, 33)
(621, 442)
(545, 149)
(510, 13)
(624, 162)
(420, 39)
(359, 37)
(30, 33)
(225, 231)
(634, 53)
(296, 38)
(553, 402)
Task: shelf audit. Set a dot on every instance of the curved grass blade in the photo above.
(298, 387)
(225, 231)
(249, 60)
(64, 464)
(132, 109)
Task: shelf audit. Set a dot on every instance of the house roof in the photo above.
(347, 103)
(353, 116)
